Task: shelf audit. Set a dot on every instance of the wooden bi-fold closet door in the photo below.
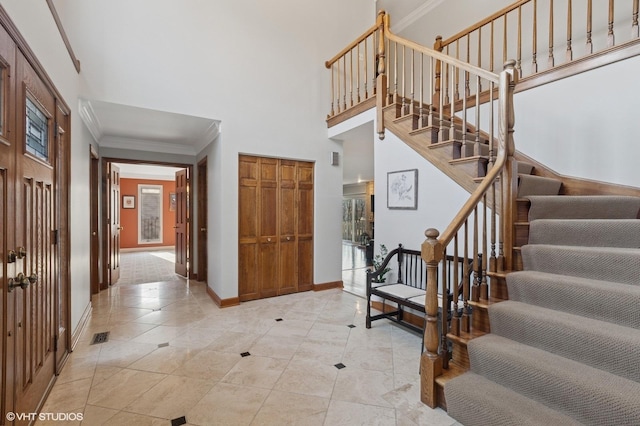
(275, 220)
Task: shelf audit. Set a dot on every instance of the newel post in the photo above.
(508, 79)
(431, 362)
(381, 79)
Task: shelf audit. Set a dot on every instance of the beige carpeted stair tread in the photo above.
(476, 401)
(587, 394)
(601, 300)
(584, 207)
(620, 265)
(529, 185)
(525, 168)
(586, 232)
(609, 347)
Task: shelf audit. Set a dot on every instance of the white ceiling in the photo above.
(143, 171)
(129, 127)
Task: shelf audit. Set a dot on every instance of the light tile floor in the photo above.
(289, 377)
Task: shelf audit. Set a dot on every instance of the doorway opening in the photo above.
(145, 222)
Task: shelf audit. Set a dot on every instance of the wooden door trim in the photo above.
(94, 190)
(202, 215)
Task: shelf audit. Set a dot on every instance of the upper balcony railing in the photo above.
(542, 35)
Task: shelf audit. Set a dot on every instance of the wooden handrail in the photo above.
(357, 41)
(484, 22)
(487, 75)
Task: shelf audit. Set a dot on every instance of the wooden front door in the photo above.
(182, 222)
(114, 224)
(36, 236)
(7, 224)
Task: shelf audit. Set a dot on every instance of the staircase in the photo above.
(565, 348)
(549, 332)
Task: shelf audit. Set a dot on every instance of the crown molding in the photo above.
(421, 11)
(90, 119)
(146, 145)
(209, 135)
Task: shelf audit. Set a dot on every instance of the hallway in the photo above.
(172, 352)
(354, 269)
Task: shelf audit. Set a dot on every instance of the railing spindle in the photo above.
(452, 130)
(635, 29)
(457, 75)
(610, 36)
(344, 78)
(422, 77)
(466, 320)
(467, 89)
(412, 105)
(550, 61)
(534, 61)
(467, 151)
(491, 43)
(333, 93)
(404, 76)
(358, 74)
(446, 308)
(589, 27)
(430, 90)
(519, 47)
(504, 40)
(351, 76)
(484, 289)
(475, 291)
(476, 147)
(366, 73)
(569, 57)
(455, 317)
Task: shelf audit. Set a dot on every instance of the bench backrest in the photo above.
(412, 269)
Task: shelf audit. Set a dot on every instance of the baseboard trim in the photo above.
(327, 286)
(222, 303)
(143, 248)
(84, 320)
(409, 317)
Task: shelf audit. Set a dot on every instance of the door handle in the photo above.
(203, 229)
(19, 281)
(120, 228)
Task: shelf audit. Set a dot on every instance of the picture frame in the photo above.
(172, 201)
(402, 190)
(128, 201)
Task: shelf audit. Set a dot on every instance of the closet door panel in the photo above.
(268, 229)
(288, 282)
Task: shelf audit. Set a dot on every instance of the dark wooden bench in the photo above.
(408, 288)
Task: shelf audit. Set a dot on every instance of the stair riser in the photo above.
(580, 391)
(617, 266)
(592, 233)
(601, 345)
(604, 301)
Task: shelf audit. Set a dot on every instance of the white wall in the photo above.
(439, 198)
(256, 66)
(34, 21)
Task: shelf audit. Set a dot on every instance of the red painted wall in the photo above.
(129, 217)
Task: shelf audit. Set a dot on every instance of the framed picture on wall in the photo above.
(128, 201)
(172, 201)
(402, 190)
